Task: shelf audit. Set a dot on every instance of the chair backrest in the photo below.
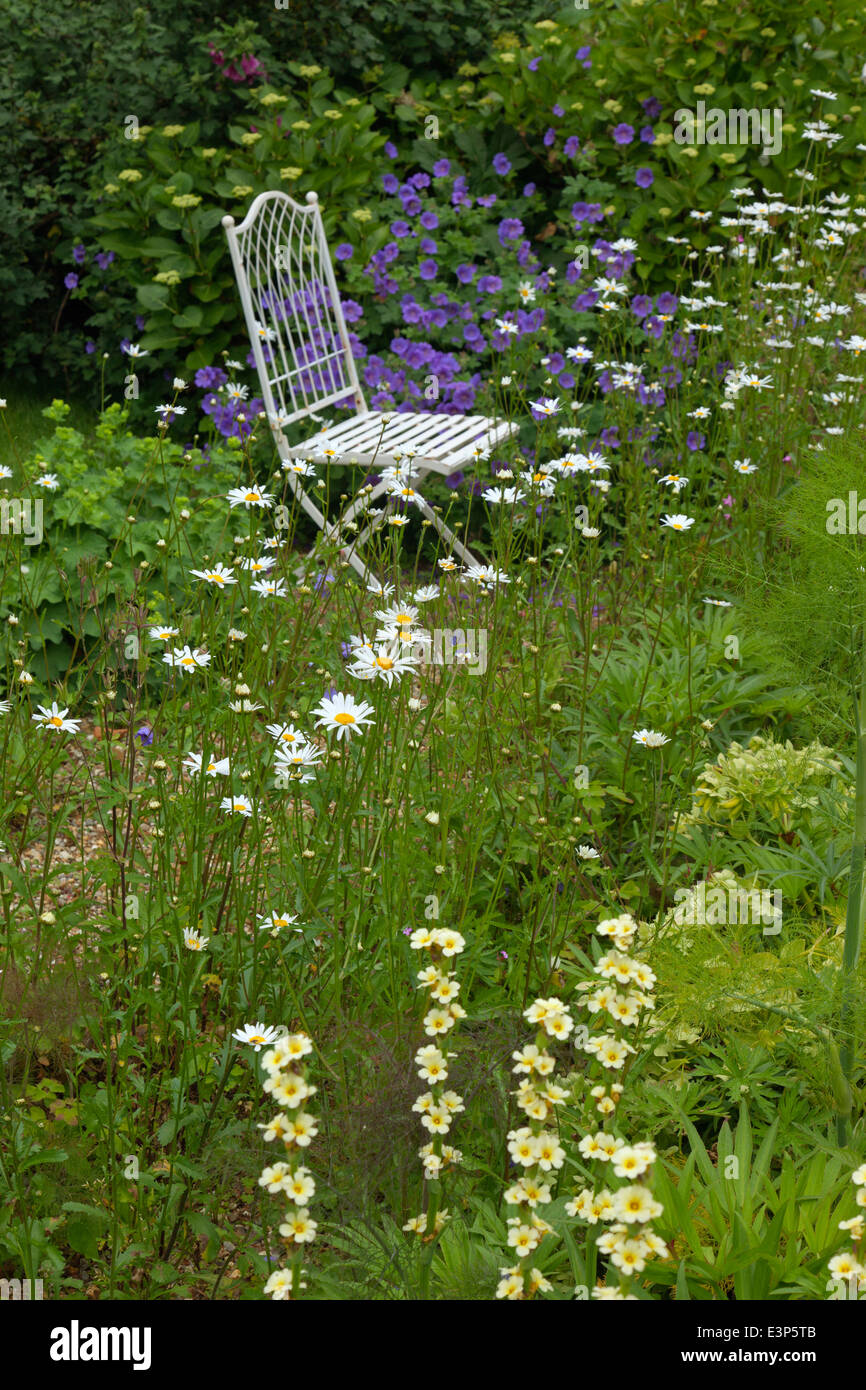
(292, 308)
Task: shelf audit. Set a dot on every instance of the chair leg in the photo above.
(349, 550)
(447, 534)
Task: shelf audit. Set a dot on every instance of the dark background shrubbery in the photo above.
(69, 74)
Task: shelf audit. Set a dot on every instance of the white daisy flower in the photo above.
(343, 715)
(55, 718)
(383, 663)
(275, 921)
(218, 575)
(249, 497)
(269, 588)
(195, 762)
(650, 738)
(186, 659)
(257, 1035)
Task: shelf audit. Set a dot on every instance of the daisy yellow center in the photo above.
(187, 661)
(239, 806)
(257, 1038)
(252, 497)
(344, 717)
(217, 578)
(384, 663)
(55, 720)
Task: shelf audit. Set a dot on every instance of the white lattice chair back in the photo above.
(292, 309)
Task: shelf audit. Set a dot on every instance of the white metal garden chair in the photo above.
(304, 361)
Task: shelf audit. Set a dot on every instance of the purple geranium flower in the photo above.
(390, 150)
(510, 229)
(390, 183)
(465, 274)
(209, 378)
(103, 259)
(345, 251)
(528, 190)
(623, 134)
(501, 163)
(549, 136)
(70, 280)
(644, 178)
(79, 254)
(442, 168)
(145, 733)
(666, 303)
(429, 221)
(648, 135)
(400, 229)
(428, 270)
(571, 147)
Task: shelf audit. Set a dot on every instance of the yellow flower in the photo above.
(309, 70)
(112, 188)
(274, 99)
(507, 58)
(704, 89)
(130, 175)
(300, 125)
(167, 277)
(241, 190)
(186, 200)
(209, 152)
(333, 115)
(250, 137)
(362, 214)
(545, 24)
(290, 172)
(169, 131)
(467, 70)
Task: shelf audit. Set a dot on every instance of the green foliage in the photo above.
(769, 788)
(106, 530)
